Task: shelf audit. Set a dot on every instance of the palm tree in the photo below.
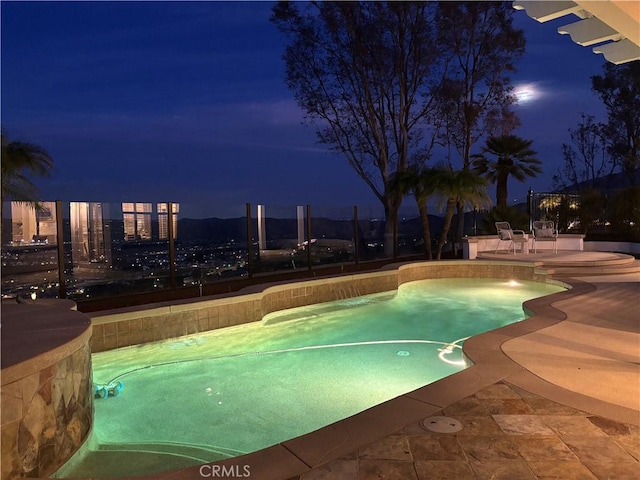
(513, 157)
(453, 187)
(419, 182)
(20, 159)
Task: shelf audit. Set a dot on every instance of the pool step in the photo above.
(578, 263)
(592, 270)
(615, 260)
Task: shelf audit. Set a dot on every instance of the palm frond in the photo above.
(19, 161)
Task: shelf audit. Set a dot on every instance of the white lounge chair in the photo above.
(514, 237)
(544, 231)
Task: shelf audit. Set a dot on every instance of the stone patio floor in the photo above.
(507, 434)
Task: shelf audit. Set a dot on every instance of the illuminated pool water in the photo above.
(237, 390)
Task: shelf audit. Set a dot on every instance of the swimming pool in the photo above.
(237, 390)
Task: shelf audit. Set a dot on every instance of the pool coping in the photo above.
(68, 330)
(296, 456)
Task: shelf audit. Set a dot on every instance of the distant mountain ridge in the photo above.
(227, 229)
(217, 229)
(614, 181)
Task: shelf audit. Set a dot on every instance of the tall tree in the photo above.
(585, 158)
(476, 97)
(421, 183)
(619, 90)
(20, 161)
(363, 70)
(511, 156)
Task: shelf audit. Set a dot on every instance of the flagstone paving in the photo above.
(507, 434)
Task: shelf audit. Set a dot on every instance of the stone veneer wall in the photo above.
(124, 328)
(310, 292)
(46, 414)
(115, 330)
(469, 269)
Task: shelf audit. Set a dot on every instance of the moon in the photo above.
(526, 94)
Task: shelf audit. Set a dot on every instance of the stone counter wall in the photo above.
(46, 415)
(472, 246)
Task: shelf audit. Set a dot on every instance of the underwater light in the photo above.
(448, 349)
(442, 357)
(513, 283)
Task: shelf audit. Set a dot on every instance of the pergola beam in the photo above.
(624, 16)
(614, 21)
(543, 11)
(590, 31)
(623, 51)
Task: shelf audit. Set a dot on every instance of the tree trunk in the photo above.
(459, 233)
(501, 191)
(426, 229)
(391, 216)
(448, 216)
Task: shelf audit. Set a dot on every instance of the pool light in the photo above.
(448, 349)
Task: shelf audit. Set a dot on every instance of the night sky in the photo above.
(186, 102)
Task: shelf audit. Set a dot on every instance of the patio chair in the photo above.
(514, 237)
(544, 231)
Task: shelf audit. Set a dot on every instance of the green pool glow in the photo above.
(227, 392)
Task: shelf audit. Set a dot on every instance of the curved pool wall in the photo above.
(125, 327)
(162, 321)
(47, 396)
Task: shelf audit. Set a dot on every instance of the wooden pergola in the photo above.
(612, 27)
